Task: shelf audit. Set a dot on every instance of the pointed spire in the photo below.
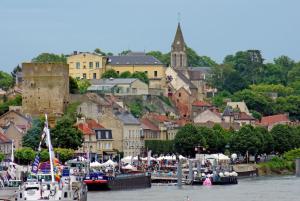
(178, 42)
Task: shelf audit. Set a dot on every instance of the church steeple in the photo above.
(178, 51)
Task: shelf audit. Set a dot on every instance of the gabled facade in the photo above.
(16, 118)
(14, 133)
(208, 116)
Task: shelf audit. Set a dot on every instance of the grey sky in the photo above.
(214, 28)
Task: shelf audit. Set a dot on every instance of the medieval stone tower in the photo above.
(178, 51)
(45, 88)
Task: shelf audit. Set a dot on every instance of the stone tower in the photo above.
(178, 51)
(45, 88)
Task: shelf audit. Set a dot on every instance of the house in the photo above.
(240, 106)
(270, 121)
(140, 62)
(150, 130)
(14, 133)
(119, 86)
(98, 141)
(183, 101)
(5, 146)
(127, 130)
(231, 115)
(208, 116)
(2, 95)
(91, 105)
(86, 65)
(199, 106)
(18, 119)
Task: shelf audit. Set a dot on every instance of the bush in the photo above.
(292, 155)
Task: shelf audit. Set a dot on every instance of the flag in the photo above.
(35, 165)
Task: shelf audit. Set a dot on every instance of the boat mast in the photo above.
(50, 149)
(12, 151)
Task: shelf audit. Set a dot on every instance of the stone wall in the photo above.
(45, 88)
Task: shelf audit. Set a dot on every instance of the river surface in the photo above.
(285, 188)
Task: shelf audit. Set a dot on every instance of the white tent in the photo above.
(95, 164)
(127, 159)
(129, 167)
(109, 163)
(151, 159)
(217, 157)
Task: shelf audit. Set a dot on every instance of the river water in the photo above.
(285, 188)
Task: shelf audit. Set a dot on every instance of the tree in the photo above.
(50, 58)
(141, 76)
(124, 52)
(194, 60)
(98, 51)
(83, 85)
(33, 136)
(4, 107)
(25, 155)
(15, 71)
(111, 73)
(73, 86)
(294, 74)
(64, 154)
(247, 139)
(1, 157)
(65, 135)
(283, 138)
(270, 88)
(125, 74)
(6, 80)
(164, 58)
(187, 138)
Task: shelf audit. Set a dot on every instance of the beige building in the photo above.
(5, 146)
(119, 86)
(208, 116)
(17, 118)
(45, 88)
(127, 130)
(14, 133)
(86, 65)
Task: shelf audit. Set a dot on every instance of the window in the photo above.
(91, 64)
(118, 72)
(84, 75)
(179, 94)
(97, 64)
(146, 72)
(106, 134)
(78, 65)
(94, 75)
(155, 73)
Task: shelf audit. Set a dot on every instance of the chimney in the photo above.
(75, 52)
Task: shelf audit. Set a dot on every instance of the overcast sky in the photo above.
(214, 28)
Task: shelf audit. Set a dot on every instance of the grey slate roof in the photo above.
(127, 118)
(185, 79)
(113, 81)
(228, 111)
(133, 59)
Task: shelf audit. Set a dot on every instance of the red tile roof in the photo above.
(84, 128)
(147, 124)
(182, 122)
(92, 124)
(274, 119)
(244, 116)
(159, 117)
(201, 104)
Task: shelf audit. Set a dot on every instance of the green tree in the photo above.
(25, 155)
(124, 52)
(194, 60)
(98, 51)
(15, 71)
(125, 74)
(187, 138)
(4, 107)
(50, 58)
(268, 88)
(294, 74)
(284, 138)
(6, 80)
(247, 139)
(83, 85)
(111, 73)
(164, 58)
(73, 86)
(141, 76)
(64, 154)
(65, 135)
(1, 157)
(33, 136)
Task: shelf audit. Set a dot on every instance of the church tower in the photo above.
(178, 51)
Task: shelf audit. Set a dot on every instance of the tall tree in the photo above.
(111, 73)
(98, 51)
(50, 58)
(6, 80)
(33, 136)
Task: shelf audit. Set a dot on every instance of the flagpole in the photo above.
(50, 149)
